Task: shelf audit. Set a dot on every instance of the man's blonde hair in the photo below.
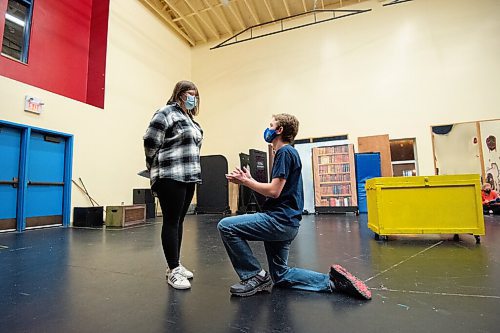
(290, 126)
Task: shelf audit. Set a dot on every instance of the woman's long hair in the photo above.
(180, 88)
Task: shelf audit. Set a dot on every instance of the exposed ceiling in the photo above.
(212, 21)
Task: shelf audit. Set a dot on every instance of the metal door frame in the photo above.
(26, 131)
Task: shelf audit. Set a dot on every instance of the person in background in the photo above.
(172, 147)
(491, 200)
(277, 226)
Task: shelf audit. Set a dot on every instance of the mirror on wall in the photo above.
(490, 131)
(468, 148)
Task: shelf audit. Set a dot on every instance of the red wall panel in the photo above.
(97, 54)
(59, 51)
(3, 9)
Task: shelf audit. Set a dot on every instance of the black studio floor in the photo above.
(84, 280)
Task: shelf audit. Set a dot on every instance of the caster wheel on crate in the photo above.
(456, 238)
(478, 239)
(377, 237)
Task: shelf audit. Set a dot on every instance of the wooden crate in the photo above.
(125, 216)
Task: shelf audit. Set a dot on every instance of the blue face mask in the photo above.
(190, 102)
(269, 135)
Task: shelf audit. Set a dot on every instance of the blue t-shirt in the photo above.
(288, 207)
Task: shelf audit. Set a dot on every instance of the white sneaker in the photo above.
(177, 280)
(184, 271)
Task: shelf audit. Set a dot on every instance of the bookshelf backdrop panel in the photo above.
(334, 178)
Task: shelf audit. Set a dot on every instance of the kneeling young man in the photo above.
(277, 226)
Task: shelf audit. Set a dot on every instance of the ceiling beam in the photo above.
(250, 9)
(181, 24)
(286, 7)
(204, 10)
(169, 21)
(270, 10)
(316, 5)
(196, 23)
(222, 20)
(209, 26)
(207, 11)
(179, 13)
(237, 16)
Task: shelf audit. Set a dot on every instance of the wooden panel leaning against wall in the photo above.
(378, 143)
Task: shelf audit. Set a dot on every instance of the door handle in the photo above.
(45, 183)
(12, 182)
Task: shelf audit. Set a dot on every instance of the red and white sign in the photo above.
(33, 104)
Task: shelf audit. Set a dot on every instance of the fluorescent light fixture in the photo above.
(14, 20)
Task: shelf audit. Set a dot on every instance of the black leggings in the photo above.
(175, 198)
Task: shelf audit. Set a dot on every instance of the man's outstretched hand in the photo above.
(239, 176)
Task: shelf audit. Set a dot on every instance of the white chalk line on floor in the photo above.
(423, 292)
(403, 261)
(433, 293)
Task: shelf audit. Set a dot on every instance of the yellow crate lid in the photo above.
(418, 181)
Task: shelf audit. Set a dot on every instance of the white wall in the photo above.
(144, 61)
(396, 70)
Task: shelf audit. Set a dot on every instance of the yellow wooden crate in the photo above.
(448, 204)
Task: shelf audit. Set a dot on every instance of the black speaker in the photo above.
(88, 217)
(258, 165)
(150, 210)
(142, 196)
(258, 170)
(250, 201)
(247, 203)
(212, 195)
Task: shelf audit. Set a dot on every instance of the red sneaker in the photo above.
(348, 283)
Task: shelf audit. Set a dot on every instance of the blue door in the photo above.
(35, 177)
(45, 180)
(10, 152)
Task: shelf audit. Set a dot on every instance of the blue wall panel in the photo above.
(367, 166)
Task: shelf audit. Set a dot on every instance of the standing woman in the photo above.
(172, 146)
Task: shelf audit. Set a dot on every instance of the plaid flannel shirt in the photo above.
(172, 146)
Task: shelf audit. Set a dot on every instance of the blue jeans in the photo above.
(236, 231)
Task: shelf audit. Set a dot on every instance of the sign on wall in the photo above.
(33, 104)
